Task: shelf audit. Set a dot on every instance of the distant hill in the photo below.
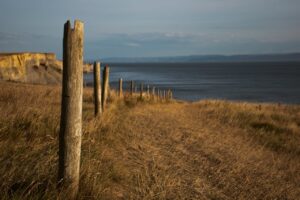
(211, 58)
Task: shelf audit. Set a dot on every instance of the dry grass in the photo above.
(146, 150)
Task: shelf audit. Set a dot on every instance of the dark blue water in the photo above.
(256, 82)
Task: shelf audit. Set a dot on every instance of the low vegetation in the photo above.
(151, 150)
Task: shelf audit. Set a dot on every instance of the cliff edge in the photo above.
(28, 67)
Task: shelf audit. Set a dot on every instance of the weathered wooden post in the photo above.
(153, 93)
(161, 95)
(142, 90)
(135, 89)
(164, 95)
(105, 87)
(97, 89)
(168, 94)
(158, 94)
(71, 109)
(131, 87)
(120, 87)
(148, 91)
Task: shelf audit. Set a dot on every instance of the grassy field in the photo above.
(148, 150)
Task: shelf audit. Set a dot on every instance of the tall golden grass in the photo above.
(151, 150)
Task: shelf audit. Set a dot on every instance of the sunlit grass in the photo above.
(145, 149)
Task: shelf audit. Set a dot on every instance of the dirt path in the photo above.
(175, 152)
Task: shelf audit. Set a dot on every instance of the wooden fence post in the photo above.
(71, 109)
(97, 89)
(131, 87)
(148, 91)
(153, 93)
(105, 87)
(142, 90)
(168, 94)
(161, 95)
(120, 87)
(158, 94)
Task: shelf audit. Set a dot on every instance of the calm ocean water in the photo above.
(256, 82)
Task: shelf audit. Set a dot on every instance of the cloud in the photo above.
(153, 28)
(176, 44)
(132, 44)
(151, 44)
(16, 42)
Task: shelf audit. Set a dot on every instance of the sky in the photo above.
(153, 28)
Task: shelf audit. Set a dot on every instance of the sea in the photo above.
(275, 82)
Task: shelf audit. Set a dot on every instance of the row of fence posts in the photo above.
(101, 91)
(71, 105)
(152, 93)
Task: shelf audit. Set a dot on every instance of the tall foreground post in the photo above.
(105, 87)
(97, 89)
(71, 109)
(120, 87)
